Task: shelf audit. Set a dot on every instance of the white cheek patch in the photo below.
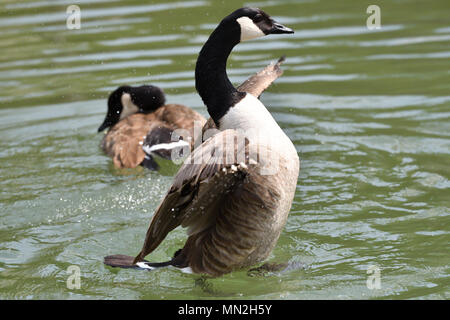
(128, 106)
(249, 30)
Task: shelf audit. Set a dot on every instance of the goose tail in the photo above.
(127, 262)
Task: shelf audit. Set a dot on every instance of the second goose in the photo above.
(139, 119)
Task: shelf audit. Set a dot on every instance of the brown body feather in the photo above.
(123, 142)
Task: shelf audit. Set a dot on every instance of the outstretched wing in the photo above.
(260, 81)
(255, 85)
(212, 171)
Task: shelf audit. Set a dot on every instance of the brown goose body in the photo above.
(123, 142)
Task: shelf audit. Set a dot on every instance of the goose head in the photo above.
(127, 100)
(254, 23)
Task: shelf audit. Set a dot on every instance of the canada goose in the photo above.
(141, 124)
(233, 208)
(138, 117)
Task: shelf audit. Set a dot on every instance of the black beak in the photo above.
(278, 28)
(104, 125)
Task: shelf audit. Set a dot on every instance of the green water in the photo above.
(368, 111)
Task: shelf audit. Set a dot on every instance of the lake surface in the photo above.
(368, 111)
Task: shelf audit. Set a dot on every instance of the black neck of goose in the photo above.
(211, 80)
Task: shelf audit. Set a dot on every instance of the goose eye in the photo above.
(257, 18)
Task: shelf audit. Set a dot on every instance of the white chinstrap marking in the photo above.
(249, 30)
(129, 107)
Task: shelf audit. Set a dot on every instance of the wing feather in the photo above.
(260, 81)
(255, 85)
(212, 171)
